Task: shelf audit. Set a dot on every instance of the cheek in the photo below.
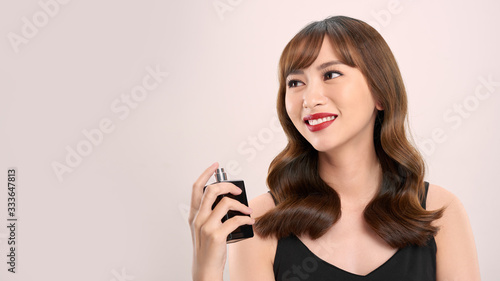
(293, 110)
(363, 99)
(289, 106)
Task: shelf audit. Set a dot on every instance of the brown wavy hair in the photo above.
(305, 204)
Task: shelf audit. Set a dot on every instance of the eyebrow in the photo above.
(320, 67)
(327, 64)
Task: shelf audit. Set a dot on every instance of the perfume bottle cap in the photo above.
(220, 175)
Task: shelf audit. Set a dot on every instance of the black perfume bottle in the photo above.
(244, 231)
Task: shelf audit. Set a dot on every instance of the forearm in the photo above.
(208, 277)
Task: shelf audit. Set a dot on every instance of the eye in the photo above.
(331, 74)
(294, 83)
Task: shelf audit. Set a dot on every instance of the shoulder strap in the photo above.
(274, 199)
(424, 200)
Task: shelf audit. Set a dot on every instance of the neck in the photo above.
(354, 173)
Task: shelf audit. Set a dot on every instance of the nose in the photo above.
(313, 96)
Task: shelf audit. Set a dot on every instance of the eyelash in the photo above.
(326, 72)
(289, 83)
(331, 72)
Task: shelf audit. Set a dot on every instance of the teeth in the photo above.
(320, 120)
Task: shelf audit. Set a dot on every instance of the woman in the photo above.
(347, 198)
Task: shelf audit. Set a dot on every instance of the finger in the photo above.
(231, 224)
(225, 205)
(197, 192)
(211, 193)
(203, 218)
(217, 232)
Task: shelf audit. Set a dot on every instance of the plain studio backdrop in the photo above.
(110, 110)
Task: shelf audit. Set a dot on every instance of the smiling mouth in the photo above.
(319, 121)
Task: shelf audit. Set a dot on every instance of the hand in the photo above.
(208, 232)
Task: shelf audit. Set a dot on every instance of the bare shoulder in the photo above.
(454, 214)
(456, 256)
(252, 259)
(261, 204)
(438, 197)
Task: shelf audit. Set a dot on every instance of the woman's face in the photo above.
(330, 103)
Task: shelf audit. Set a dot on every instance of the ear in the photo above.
(379, 106)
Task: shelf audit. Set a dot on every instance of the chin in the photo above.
(323, 147)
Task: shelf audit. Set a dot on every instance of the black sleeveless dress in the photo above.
(295, 262)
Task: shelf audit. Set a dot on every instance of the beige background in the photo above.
(119, 211)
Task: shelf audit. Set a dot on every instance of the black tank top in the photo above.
(295, 262)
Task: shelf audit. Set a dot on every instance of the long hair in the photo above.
(305, 204)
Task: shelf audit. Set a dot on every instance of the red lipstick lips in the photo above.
(319, 121)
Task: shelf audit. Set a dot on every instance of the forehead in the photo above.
(326, 53)
(325, 58)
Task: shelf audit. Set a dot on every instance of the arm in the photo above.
(456, 257)
(252, 259)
